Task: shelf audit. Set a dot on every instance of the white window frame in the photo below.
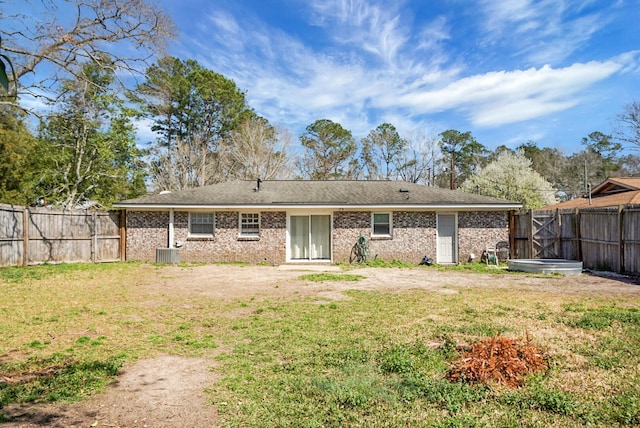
(373, 224)
(309, 214)
(213, 224)
(244, 234)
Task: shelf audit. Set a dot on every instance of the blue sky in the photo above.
(509, 71)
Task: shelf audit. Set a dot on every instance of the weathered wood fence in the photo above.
(42, 235)
(602, 238)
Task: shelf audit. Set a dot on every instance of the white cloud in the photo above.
(143, 131)
(498, 98)
(531, 134)
(630, 60)
(292, 83)
(546, 31)
(227, 27)
(36, 101)
(373, 27)
(518, 110)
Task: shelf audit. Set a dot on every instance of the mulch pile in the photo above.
(500, 359)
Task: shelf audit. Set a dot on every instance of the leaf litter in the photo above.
(499, 359)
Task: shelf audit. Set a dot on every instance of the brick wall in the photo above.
(413, 236)
(225, 246)
(476, 230)
(146, 231)
(347, 228)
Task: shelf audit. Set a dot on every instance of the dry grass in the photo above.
(362, 361)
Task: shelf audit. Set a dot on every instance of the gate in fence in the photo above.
(602, 238)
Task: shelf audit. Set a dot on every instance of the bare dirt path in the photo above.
(168, 391)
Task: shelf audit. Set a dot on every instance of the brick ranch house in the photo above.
(293, 221)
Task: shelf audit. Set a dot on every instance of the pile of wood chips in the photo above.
(500, 359)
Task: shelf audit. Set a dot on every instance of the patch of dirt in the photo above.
(168, 391)
(228, 282)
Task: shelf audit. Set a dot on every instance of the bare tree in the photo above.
(51, 41)
(257, 150)
(178, 169)
(628, 129)
(417, 164)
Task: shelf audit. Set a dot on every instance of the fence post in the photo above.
(512, 234)
(94, 236)
(123, 235)
(558, 238)
(25, 236)
(578, 236)
(621, 239)
(531, 246)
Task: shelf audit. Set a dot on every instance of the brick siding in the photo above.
(414, 236)
(477, 230)
(146, 231)
(225, 246)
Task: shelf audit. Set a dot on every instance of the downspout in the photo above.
(171, 240)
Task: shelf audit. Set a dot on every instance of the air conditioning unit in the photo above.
(167, 255)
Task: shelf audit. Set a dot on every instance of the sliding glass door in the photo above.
(299, 237)
(310, 237)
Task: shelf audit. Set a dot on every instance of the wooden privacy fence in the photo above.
(602, 238)
(43, 235)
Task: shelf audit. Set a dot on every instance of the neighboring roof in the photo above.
(335, 194)
(627, 198)
(617, 185)
(612, 192)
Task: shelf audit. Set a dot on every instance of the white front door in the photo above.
(447, 233)
(310, 237)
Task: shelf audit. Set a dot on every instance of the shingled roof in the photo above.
(335, 194)
(612, 192)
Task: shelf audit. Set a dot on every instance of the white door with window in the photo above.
(310, 237)
(447, 233)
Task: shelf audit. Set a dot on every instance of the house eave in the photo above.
(335, 207)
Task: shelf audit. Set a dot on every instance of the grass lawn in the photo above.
(374, 359)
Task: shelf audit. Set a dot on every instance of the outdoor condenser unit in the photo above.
(167, 255)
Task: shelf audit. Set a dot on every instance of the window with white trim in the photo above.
(249, 224)
(201, 224)
(381, 224)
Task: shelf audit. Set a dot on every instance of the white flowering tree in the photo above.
(511, 177)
